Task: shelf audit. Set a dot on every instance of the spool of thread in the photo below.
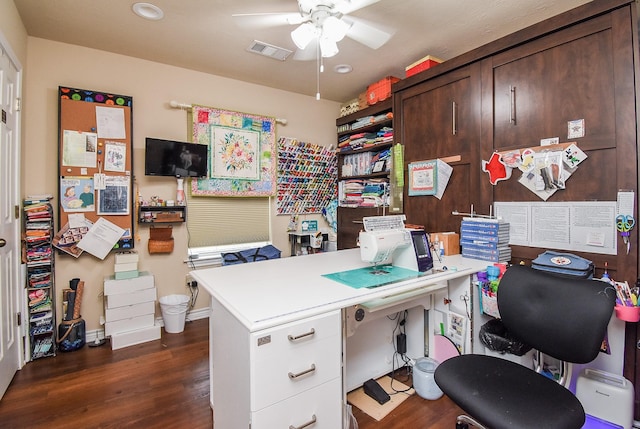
(493, 272)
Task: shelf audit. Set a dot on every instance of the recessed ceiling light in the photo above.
(343, 68)
(148, 11)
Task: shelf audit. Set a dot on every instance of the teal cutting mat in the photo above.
(371, 277)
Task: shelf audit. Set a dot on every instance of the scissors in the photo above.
(624, 224)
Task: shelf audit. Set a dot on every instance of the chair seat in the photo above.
(503, 394)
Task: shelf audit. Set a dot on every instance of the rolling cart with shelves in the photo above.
(39, 287)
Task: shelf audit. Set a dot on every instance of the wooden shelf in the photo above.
(162, 214)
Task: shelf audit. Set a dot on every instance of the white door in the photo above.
(10, 259)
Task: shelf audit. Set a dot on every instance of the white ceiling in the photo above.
(202, 35)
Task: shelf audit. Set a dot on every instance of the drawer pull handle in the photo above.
(298, 337)
(300, 374)
(305, 425)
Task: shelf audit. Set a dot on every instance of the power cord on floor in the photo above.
(400, 359)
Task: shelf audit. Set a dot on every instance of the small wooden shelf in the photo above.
(162, 214)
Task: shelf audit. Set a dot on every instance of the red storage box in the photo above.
(381, 90)
(421, 65)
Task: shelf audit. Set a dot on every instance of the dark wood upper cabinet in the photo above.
(539, 87)
(441, 119)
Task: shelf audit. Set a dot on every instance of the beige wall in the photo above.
(12, 29)
(152, 86)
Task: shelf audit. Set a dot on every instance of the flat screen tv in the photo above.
(174, 158)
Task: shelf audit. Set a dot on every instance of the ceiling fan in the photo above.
(321, 24)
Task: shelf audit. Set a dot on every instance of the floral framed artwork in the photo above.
(235, 153)
(243, 157)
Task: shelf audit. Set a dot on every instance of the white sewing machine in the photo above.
(385, 240)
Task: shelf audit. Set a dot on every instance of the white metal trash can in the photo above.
(174, 312)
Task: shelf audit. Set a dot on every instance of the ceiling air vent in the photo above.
(268, 50)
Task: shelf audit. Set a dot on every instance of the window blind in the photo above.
(218, 221)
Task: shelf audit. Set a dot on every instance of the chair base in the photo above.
(463, 422)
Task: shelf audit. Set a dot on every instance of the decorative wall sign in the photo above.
(242, 149)
(423, 177)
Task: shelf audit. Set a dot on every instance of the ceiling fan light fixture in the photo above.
(328, 47)
(303, 35)
(334, 28)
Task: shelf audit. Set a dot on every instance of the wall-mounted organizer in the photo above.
(162, 214)
(160, 240)
(95, 152)
(307, 177)
(39, 259)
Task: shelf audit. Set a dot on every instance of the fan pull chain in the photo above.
(318, 70)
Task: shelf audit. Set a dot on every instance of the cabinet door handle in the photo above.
(512, 110)
(454, 131)
(305, 425)
(300, 374)
(298, 337)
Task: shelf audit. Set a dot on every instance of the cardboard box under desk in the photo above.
(125, 299)
(114, 287)
(451, 242)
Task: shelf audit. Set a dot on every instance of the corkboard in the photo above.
(95, 136)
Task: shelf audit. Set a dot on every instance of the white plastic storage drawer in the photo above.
(293, 358)
(126, 325)
(318, 408)
(606, 396)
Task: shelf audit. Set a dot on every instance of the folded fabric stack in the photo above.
(373, 194)
(362, 193)
(363, 122)
(351, 193)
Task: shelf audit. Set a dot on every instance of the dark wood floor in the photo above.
(159, 384)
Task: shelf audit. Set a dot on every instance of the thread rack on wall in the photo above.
(307, 177)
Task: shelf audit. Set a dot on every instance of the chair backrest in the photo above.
(562, 317)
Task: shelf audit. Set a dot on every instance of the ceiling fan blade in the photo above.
(347, 6)
(367, 33)
(266, 20)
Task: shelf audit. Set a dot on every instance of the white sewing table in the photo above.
(279, 330)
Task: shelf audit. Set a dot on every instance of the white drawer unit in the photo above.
(293, 358)
(279, 374)
(318, 408)
(130, 306)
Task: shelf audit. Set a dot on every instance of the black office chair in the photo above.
(560, 317)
